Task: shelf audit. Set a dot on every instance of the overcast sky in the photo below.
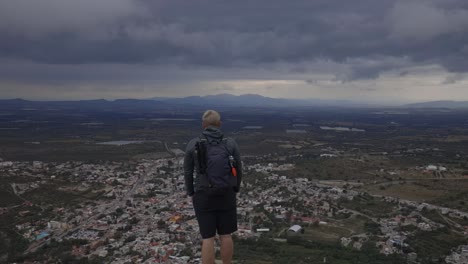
(372, 50)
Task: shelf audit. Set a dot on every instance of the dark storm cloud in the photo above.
(454, 78)
(238, 33)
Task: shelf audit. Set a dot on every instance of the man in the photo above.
(216, 161)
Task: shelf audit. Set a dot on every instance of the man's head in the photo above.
(211, 118)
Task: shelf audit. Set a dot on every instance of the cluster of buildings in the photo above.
(395, 234)
(144, 215)
(458, 256)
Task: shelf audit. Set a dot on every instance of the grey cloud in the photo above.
(420, 21)
(40, 18)
(224, 88)
(464, 50)
(371, 68)
(368, 89)
(454, 78)
(403, 73)
(309, 81)
(368, 37)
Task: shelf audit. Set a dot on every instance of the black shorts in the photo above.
(216, 211)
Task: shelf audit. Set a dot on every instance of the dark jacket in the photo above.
(192, 184)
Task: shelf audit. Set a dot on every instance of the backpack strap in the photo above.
(201, 147)
(201, 154)
(232, 161)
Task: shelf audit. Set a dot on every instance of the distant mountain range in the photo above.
(251, 100)
(439, 104)
(254, 100)
(229, 100)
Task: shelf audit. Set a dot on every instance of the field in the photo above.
(325, 233)
(7, 196)
(368, 205)
(432, 245)
(409, 191)
(451, 193)
(300, 251)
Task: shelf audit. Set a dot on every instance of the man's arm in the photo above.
(237, 158)
(188, 168)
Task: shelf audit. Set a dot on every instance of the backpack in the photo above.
(216, 163)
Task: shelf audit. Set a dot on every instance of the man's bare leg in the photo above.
(227, 248)
(208, 253)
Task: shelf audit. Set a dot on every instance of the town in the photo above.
(138, 212)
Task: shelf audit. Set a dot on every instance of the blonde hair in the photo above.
(211, 117)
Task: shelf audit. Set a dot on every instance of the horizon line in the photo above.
(372, 102)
